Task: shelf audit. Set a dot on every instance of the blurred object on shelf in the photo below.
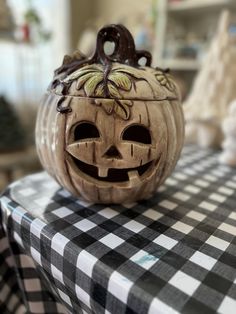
(187, 52)
(17, 164)
(12, 136)
(6, 21)
(182, 44)
(25, 32)
(213, 90)
(32, 30)
(228, 155)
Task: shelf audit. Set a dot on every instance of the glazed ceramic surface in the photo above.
(108, 129)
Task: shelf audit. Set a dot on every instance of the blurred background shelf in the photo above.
(184, 30)
(192, 5)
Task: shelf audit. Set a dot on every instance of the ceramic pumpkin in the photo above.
(109, 130)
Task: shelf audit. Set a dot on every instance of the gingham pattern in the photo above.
(21, 288)
(175, 253)
(10, 297)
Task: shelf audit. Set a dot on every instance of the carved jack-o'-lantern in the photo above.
(108, 129)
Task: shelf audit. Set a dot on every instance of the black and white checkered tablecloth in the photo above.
(175, 253)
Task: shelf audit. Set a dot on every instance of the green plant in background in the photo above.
(12, 135)
(33, 20)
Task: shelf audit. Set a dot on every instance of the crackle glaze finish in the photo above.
(109, 130)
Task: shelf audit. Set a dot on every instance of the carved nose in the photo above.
(113, 152)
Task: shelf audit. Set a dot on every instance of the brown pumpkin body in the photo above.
(111, 149)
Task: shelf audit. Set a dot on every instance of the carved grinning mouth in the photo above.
(113, 174)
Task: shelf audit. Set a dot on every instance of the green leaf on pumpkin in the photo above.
(100, 91)
(82, 80)
(92, 79)
(120, 80)
(113, 91)
(128, 70)
(82, 71)
(92, 83)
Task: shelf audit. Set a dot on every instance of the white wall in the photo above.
(27, 70)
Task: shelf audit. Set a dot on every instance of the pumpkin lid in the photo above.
(118, 76)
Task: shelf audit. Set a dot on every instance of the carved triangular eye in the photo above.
(137, 133)
(85, 130)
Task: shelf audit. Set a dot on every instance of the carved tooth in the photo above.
(102, 172)
(134, 178)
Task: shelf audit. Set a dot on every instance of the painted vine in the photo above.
(105, 84)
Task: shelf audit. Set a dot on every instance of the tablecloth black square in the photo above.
(173, 253)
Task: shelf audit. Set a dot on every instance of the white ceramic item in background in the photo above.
(228, 155)
(213, 89)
